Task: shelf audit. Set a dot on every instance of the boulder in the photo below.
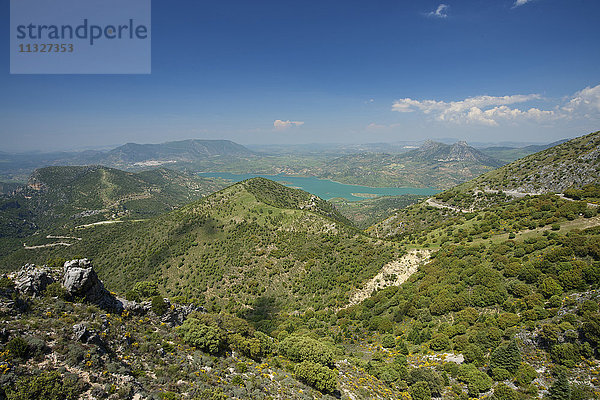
(80, 280)
(32, 280)
(84, 335)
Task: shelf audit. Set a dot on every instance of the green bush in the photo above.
(197, 334)
(476, 380)
(47, 386)
(474, 354)
(142, 291)
(388, 341)
(420, 391)
(560, 389)
(55, 289)
(507, 357)
(159, 306)
(301, 348)
(525, 375)
(316, 375)
(439, 342)
(18, 348)
(503, 392)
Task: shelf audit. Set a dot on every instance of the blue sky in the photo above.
(328, 71)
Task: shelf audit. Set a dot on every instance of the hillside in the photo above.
(431, 165)
(571, 164)
(254, 241)
(70, 196)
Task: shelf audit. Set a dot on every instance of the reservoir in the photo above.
(325, 188)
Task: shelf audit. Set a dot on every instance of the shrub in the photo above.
(159, 306)
(439, 342)
(507, 357)
(301, 348)
(47, 386)
(473, 354)
(18, 348)
(207, 338)
(420, 391)
(503, 392)
(142, 291)
(316, 375)
(55, 289)
(476, 380)
(525, 374)
(433, 379)
(560, 389)
(500, 374)
(388, 341)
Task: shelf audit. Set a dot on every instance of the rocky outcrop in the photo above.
(177, 313)
(32, 280)
(81, 281)
(82, 334)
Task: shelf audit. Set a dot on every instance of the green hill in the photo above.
(254, 241)
(65, 197)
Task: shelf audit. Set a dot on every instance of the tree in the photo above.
(560, 389)
(205, 337)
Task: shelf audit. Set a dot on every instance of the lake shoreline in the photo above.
(326, 188)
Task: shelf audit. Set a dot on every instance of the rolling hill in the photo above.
(253, 240)
(65, 197)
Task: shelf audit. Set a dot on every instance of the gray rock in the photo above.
(178, 313)
(84, 335)
(80, 280)
(32, 280)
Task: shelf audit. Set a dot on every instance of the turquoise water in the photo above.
(325, 188)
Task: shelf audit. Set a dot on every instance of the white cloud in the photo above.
(480, 109)
(281, 125)
(586, 102)
(440, 12)
(520, 3)
(491, 110)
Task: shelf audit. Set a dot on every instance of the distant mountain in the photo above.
(457, 152)
(184, 150)
(131, 156)
(432, 165)
(509, 154)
